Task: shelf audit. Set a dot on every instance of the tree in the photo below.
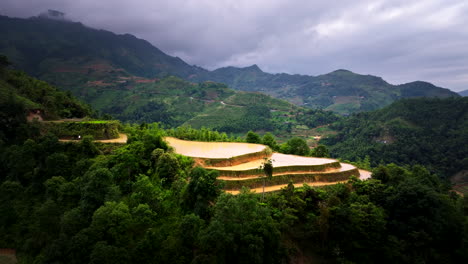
(359, 230)
(242, 230)
(201, 191)
(167, 168)
(98, 183)
(104, 253)
(296, 146)
(112, 222)
(269, 140)
(267, 168)
(252, 137)
(321, 151)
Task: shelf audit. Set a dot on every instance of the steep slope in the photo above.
(41, 45)
(72, 56)
(427, 131)
(31, 94)
(23, 97)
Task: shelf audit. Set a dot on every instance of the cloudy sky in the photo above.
(399, 40)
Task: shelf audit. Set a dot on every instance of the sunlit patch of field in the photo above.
(364, 175)
(279, 160)
(213, 150)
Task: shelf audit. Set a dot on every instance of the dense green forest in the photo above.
(431, 132)
(88, 202)
(80, 203)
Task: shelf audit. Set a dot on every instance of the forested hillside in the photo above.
(75, 57)
(87, 202)
(431, 132)
(69, 203)
(174, 102)
(21, 94)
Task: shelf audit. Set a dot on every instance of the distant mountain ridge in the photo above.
(71, 55)
(341, 91)
(463, 93)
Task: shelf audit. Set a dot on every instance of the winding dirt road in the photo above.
(122, 139)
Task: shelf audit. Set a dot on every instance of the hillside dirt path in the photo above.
(122, 139)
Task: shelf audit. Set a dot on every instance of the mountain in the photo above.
(463, 93)
(72, 56)
(40, 45)
(428, 131)
(340, 91)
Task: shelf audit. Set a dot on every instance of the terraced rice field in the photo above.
(239, 165)
(280, 160)
(214, 150)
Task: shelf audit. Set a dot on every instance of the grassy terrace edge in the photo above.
(235, 160)
(292, 168)
(294, 178)
(72, 129)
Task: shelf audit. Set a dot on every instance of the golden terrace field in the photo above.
(213, 150)
(239, 165)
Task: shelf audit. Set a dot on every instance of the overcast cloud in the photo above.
(399, 40)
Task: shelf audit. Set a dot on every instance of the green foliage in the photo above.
(321, 151)
(72, 203)
(68, 203)
(243, 222)
(431, 132)
(35, 94)
(252, 137)
(269, 140)
(98, 129)
(296, 146)
(167, 168)
(203, 134)
(201, 191)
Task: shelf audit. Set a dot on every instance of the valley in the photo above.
(98, 71)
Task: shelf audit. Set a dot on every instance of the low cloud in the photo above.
(399, 40)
